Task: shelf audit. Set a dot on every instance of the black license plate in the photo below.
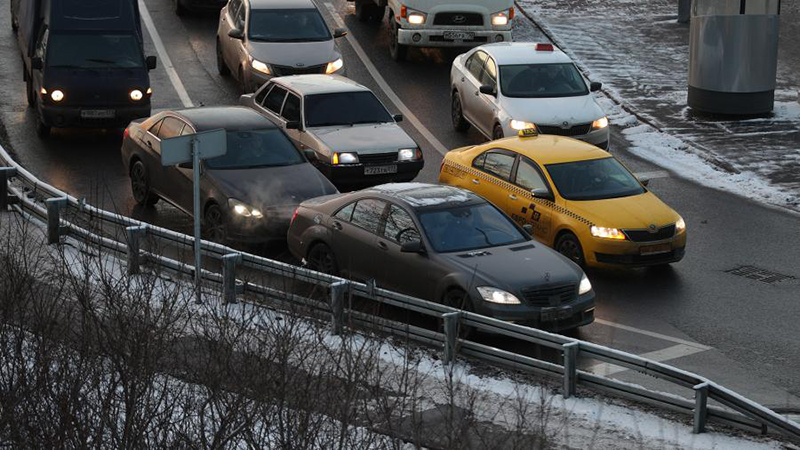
(553, 314)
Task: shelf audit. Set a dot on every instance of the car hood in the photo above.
(554, 111)
(516, 267)
(638, 211)
(291, 54)
(271, 187)
(364, 138)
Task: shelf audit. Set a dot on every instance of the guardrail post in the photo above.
(700, 407)
(338, 290)
(54, 207)
(5, 174)
(570, 368)
(451, 322)
(684, 11)
(229, 288)
(135, 236)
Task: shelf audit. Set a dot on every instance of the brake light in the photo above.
(294, 215)
(544, 47)
(125, 133)
(404, 11)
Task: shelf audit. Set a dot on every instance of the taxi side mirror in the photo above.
(542, 193)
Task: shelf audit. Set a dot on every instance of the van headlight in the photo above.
(585, 286)
(334, 66)
(57, 95)
(243, 209)
(261, 67)
(499, 296)
(136, 95)
(502, 18)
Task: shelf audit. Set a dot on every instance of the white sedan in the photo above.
(503, 88)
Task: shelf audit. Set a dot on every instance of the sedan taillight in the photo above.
(294, 215)
(126, 133)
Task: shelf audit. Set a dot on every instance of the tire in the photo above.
(363, 11)
(397, 51)
(569, 246)
(180, 10)
(140, 185)
(320, 257)
(460, 124)
(378, 12)
(31, 95)
(42, 129)
(457, 298)
(214, 227)
(222, 68)
(497, 133)
(243, 82)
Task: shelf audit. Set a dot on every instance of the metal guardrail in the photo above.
(27, 194)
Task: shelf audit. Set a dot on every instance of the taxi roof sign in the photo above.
(528, 132)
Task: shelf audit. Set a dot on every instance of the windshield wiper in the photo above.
(485, 236)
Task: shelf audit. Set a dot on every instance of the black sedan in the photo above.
(444, 244)
(247, 195)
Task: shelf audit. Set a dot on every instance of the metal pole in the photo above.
(196, 187)
(570, 368)
(5, 174)
(451, 322)
(700, 407)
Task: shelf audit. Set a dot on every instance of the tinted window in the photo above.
(239, 17)
(94, 51)
(287, 25)
(542, 80)
(474, 64)
(595, 179)
(344, 108)
(468, 228)
(262, 94)
(479, 161)
(489, 73)
(367, 214)
(258, 148)
(529, 178)
(155, 127)
(346, 213)
(274, 99)
(400, 226)
(291, 109)
(499, 164)
(170, 128)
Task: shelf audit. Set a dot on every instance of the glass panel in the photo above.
(469, 228)
(291, 109)
(287, 25)
(170, 128)
(346, 213)
(528, 177)
(762, 7)
(400, 227)
(367, 214)
(542, 80)
(274, 100)
(344, 108)
(594, 179)
(258, 148)
(717, 7)
(499, 164)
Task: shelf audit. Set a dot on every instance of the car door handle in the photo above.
(512, 196)
(149, 144)
(382, 245)
(337, 226)
(475, 181)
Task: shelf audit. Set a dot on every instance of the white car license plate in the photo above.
(459, 35)
(97, 113)
(380, 170)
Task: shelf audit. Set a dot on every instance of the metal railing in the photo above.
(23, 191)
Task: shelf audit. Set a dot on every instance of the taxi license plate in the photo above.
(459, 35)
(655, 249)
(553, 314)
(97, 114)
(380, 170)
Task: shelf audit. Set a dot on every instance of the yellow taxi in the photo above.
(571, 196)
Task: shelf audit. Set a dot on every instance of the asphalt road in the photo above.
(697, 315)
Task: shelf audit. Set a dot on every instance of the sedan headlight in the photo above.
(600, 123)
(408, 154)
(244, 209)
(261, 67)
(57, 96)
(680, 226)
(520, 125)
(495, 295)
(608, 233)
(344, 158)
(136, 95)
(502, 18)
(585, 286)
(334, 66)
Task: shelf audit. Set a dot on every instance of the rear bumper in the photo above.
(352, 175)
(555, 319)
(435, 37)
(70, 116)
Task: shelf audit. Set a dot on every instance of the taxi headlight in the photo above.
(244, 209)
(344, 158)
(261, 67)
(136, 95)
(680, 226)
(608, 233)
(585, 286)
(334, 66)
(57, 95)
(600, 123)
(407, 154)
(495, 295)
(520, 125)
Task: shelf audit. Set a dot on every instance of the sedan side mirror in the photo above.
(236, 33)
(36, 63)
(311, 155)
(413, 247)
(151, 62)
(488, 90)
(293, 125)
(339, 32)
(397, 117)
(595, 86)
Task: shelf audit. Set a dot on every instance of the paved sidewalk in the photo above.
(640, 53)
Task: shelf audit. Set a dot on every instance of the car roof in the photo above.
(549, 149)
(523, 53)
(425, 195)
(231, 118)
(282, 4)
(320, 84)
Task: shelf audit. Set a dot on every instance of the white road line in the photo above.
(664, 337)
(666, 354)
(162, 53)
(653, 175)
(373, 71)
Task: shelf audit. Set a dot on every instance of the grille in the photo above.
(458, 18)
(577, 130)
(378, 158)
(282, 71)
(537, 296)
(646, 236)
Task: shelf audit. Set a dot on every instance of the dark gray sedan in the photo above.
(247, 195)
(443, 244)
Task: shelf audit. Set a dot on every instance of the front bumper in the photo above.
(270, 228)
(352, 175)
(559, 318)
(605, 253)
(599, 138)
(70, 116)
(435, 37)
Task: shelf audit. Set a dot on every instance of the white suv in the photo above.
(501, 89)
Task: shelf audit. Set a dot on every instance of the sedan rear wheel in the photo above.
(214, 227)
(569, 246)
(140, 185)
(321, 258)
(457, 113)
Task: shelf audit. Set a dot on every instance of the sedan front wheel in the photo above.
(215, 228)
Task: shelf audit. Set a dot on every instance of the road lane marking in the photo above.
(653, 175)
(663, 337)
(666, 354)
(162, 53)
(373, 71)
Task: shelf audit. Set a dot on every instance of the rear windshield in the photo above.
(541, 80)
(344, 108)
(469, 227)
(94, 51)
(595, 179)
(258, 148)
(287, 25)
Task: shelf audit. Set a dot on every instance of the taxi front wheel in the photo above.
(569, 246)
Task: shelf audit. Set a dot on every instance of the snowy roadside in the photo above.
(496, 404)
(641, 55)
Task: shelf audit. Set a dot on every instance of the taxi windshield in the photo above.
(344, 108)
(287, 25)
(541, 80)
(468, 228)
(595, 179)
(257, 148)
